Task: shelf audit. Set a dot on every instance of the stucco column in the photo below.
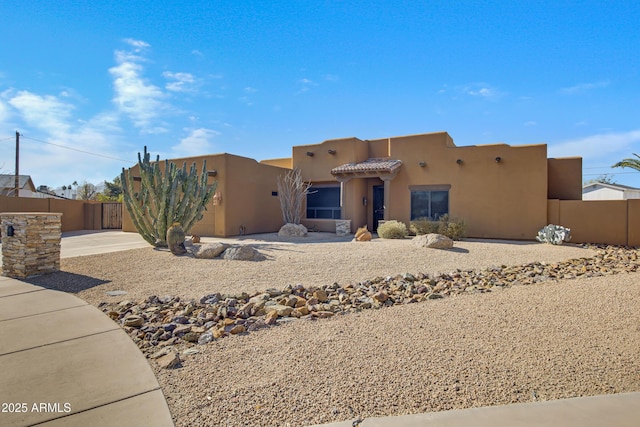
(387, 195)
(386, 179)
(343, 194)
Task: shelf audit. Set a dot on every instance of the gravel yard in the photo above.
(144, 272)
(546, 341)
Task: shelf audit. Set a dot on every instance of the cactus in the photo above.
(175, 239)
(165, 197)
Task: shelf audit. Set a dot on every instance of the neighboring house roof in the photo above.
(8, 181)
(611, 186)
(375, 166)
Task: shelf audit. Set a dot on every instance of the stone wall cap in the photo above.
(31, 213)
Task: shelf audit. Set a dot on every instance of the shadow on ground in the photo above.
(458, 250)
(66, 282)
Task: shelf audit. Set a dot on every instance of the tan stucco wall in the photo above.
(379, 148)
(249, 201)
(553, 211)
(281, 163)
(633, 222)
(244, 187)
(73, 211)
(505, 199)
(597, 221)
(318, 167)
(565, 178)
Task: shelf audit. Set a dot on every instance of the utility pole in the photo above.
(17, 182)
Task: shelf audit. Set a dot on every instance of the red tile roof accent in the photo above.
(369, 165)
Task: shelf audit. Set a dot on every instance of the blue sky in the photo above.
(254, 78)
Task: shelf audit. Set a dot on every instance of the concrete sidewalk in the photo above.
(81, 243)
(64, 363)
(611, 410)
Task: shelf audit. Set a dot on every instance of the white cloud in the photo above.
(530, 123)
(180, 82)
(481, 90)
(250, 89)
(196, 52)
(138, 44)
(305, 85)
(47, 124)
(197, 143)
(140, 100)
(584, 87)
(245, 100)
(331, 77)
(5, 113)
(597, 147)
(46, 112)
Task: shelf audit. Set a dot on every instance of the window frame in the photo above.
(428, 189)
(334, 210)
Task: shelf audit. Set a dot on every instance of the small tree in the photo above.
(604, 178)
(165, 197)
(113, 190)
(86, 191)
(292, 191)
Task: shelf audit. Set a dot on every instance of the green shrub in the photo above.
(393, 230)
(453, 228)
(423, 225)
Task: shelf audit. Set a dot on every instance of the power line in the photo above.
(613, 173)
(6, 139)
(600, 167)
(78, 150)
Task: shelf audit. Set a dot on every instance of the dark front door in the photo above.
(378, 205)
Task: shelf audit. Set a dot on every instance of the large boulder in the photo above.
(292, 230)
(209, 250)
(363, 235)
(243, 253)
(434, 241)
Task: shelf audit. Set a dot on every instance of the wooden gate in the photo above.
(112, 215)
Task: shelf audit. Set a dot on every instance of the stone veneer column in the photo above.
(343, 227)
(34, 247)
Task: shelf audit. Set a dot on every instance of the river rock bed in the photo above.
(163, 327)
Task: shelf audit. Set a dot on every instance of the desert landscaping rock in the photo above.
(155, 321)
(208, 250)
(170, 360)
(242, 253)
(446, 337)
(293, 230)
(433, 241)
(116, 293)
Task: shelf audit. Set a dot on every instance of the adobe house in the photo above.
(501, 191)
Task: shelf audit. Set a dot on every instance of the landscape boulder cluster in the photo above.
(224, 251)
(163, 327)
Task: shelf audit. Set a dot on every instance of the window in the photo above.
(430, 204)
(323, 202)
